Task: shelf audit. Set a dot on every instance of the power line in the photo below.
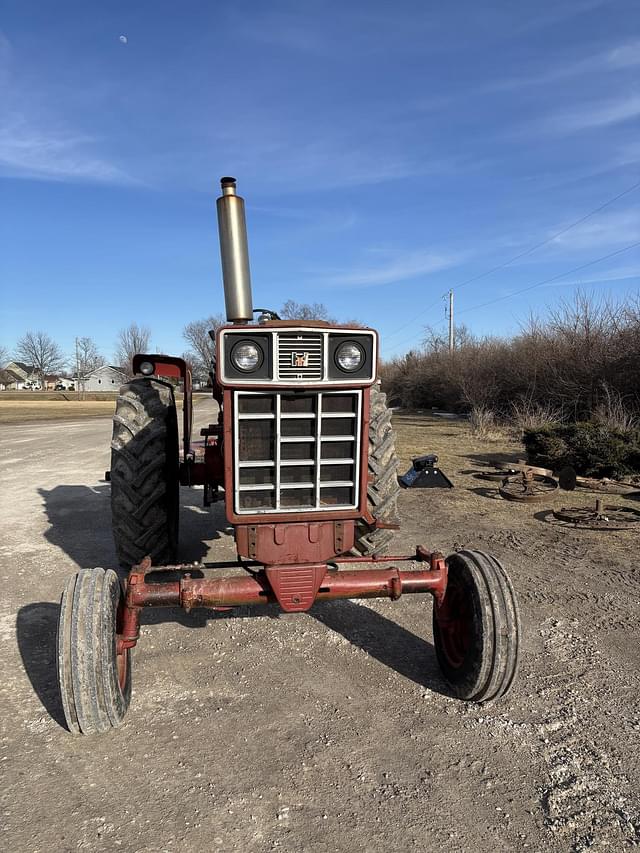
(553, 237)
(419, 314)
(541, 283)
(436, 326)
(553, 278)
(517, 257)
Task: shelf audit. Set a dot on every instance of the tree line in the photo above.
(580, 360)
(39, 350)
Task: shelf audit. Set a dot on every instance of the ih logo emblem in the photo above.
(300, 359)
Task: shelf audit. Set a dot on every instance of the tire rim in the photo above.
(122, 668)
(455, 623)
(122, 658)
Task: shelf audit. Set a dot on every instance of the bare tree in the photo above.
(37, 349)
(438, 341)
(4, 355)
(88, 359)
(130, 341)
(202, 346)
(292, 310)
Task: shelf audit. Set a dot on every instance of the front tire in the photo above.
(145, 471)
(94, 680)
(383, 487)
(476, 629)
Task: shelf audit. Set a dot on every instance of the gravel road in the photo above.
(326, 731)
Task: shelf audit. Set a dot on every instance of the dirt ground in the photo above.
(332, 730)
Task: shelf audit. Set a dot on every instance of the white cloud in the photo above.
(401, 267)
(610, 229)
(36, 143)
(620, 57)
(588, 116)
(27, 152)
(620, 274)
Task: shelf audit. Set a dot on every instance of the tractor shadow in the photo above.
(392, 645)
(389, 643)
(80, 524)
(36, 629)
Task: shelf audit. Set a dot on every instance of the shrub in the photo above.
(526, 414)
(483, 424)
(592, 448)
(582, 360)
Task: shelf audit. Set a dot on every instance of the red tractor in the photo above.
(303, 451)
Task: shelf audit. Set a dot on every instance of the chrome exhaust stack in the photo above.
(236, 277)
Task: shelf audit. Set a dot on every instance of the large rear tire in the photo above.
(145, 470)
(383, 488)
(476, 628)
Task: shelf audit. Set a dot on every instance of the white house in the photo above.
(23, 373)
(105, 378)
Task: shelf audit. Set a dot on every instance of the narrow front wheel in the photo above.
(95, 681)
(476, 628)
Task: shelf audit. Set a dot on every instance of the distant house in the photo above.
(105, 378)
(25, 372)
(10, 380)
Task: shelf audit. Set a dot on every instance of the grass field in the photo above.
(31, 407)
(60, 396)
(15, 411)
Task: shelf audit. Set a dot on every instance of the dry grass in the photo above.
(16, 411)
(483, 423)
(60, 396)
(526, 414)
(460, 454)
(455, 446)
(30, 410)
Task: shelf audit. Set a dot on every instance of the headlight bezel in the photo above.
(354, 345)
(263, 372)
(268, 373)
(247, 343)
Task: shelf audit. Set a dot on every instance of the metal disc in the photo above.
(599, 518)
(495, 476)
(527, 487)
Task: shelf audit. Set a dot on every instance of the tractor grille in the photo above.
(296, 452)
(300, 356)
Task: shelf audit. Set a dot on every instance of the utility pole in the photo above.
(451, 321)
(77, 370)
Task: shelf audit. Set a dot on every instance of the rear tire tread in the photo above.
(382, 488)
(145, 473)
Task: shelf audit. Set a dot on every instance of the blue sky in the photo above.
(387, 152)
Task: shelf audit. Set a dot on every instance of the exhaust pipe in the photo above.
(236, 277)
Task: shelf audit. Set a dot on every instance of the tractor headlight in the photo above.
(147, 368)
(349, 356)
(246, 356)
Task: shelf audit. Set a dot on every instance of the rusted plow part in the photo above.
(599, 517)
(569, 480)
(527, 487)
(606, 486)
(523, 465)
